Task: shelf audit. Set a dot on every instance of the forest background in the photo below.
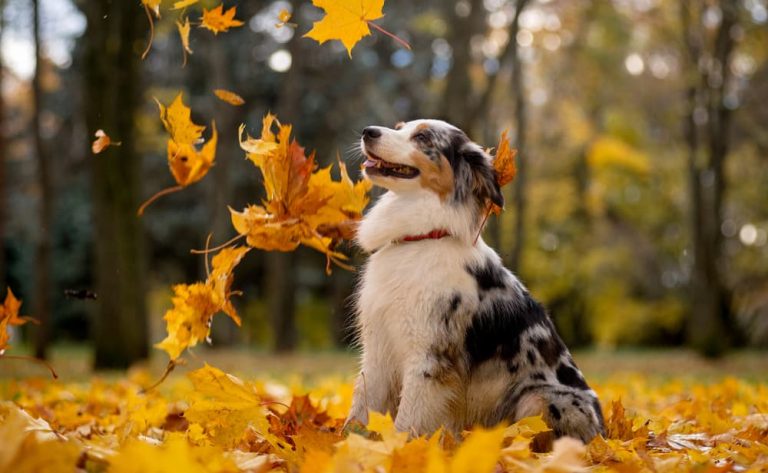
(639, 214)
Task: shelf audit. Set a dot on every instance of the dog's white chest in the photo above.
(403, 286)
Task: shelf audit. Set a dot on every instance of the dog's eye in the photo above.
(422, 138)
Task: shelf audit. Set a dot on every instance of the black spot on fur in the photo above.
(512, 367)
(570, 377)
(531, 357)
(550, 348)
(488, 276)
(554, 412)
(538, 376)
(496, 328)
(455, 301)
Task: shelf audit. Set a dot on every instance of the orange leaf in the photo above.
(218, 20)
(504, 161)
(504, 165)
(9, 316)
(302, 205)
(229, 97)
(102, 142)
(284, 15)
(187, 164)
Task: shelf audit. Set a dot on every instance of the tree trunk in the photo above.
(112, 89)
(3, 203)
(458, 87)
(511, 53)
(281, 267)
(709, 329)
(520, 196)
(43, 267)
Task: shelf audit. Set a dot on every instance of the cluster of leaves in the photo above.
(303, 205)
(215, 422)
(217, 20)
(194, 305)
(346, 20)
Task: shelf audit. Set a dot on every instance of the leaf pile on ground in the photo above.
(215, 422)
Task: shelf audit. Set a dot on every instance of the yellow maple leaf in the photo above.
(175, 454)
(187, 164)
(345, 20)
(226, 406)
(184, 30)
(177, 119)
(189, 320)
(183, 4)
(229, 97)
(479, 452)
(219, 21)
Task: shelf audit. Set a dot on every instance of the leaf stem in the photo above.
(217, 248)
(391, 35)
(34, 360)
(482, 225)
(168, 370)
(151, 32)
(166, 191)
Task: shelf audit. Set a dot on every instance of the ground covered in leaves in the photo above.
(208, 420)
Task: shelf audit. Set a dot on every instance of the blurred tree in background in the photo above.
(639, 215)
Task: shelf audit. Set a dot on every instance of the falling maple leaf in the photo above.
(348, 21)
(187, 164)
(184, 29)
(194, 305)
(284, 16)
(102, 142)
(300, 201)
(229, 97)
(9, 316)
(183, 4)
(219, 21)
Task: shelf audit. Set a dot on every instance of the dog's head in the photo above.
(430, 155)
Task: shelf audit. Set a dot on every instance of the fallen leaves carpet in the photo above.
(211, 421)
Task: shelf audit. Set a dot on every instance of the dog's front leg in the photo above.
(429, 398)
(374, 388)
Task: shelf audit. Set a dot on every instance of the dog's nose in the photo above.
(371, 132)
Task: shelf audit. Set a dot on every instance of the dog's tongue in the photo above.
(369, 163)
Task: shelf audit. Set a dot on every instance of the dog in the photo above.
(450, 337)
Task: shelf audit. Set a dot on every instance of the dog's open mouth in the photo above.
(375, 166)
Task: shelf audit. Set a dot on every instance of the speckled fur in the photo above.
(449, 336)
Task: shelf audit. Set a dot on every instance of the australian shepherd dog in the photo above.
(449, 336)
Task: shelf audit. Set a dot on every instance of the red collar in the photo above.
(433, 235)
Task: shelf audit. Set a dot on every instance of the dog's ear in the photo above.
(484, 183)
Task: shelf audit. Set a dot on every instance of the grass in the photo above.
(73, 363)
